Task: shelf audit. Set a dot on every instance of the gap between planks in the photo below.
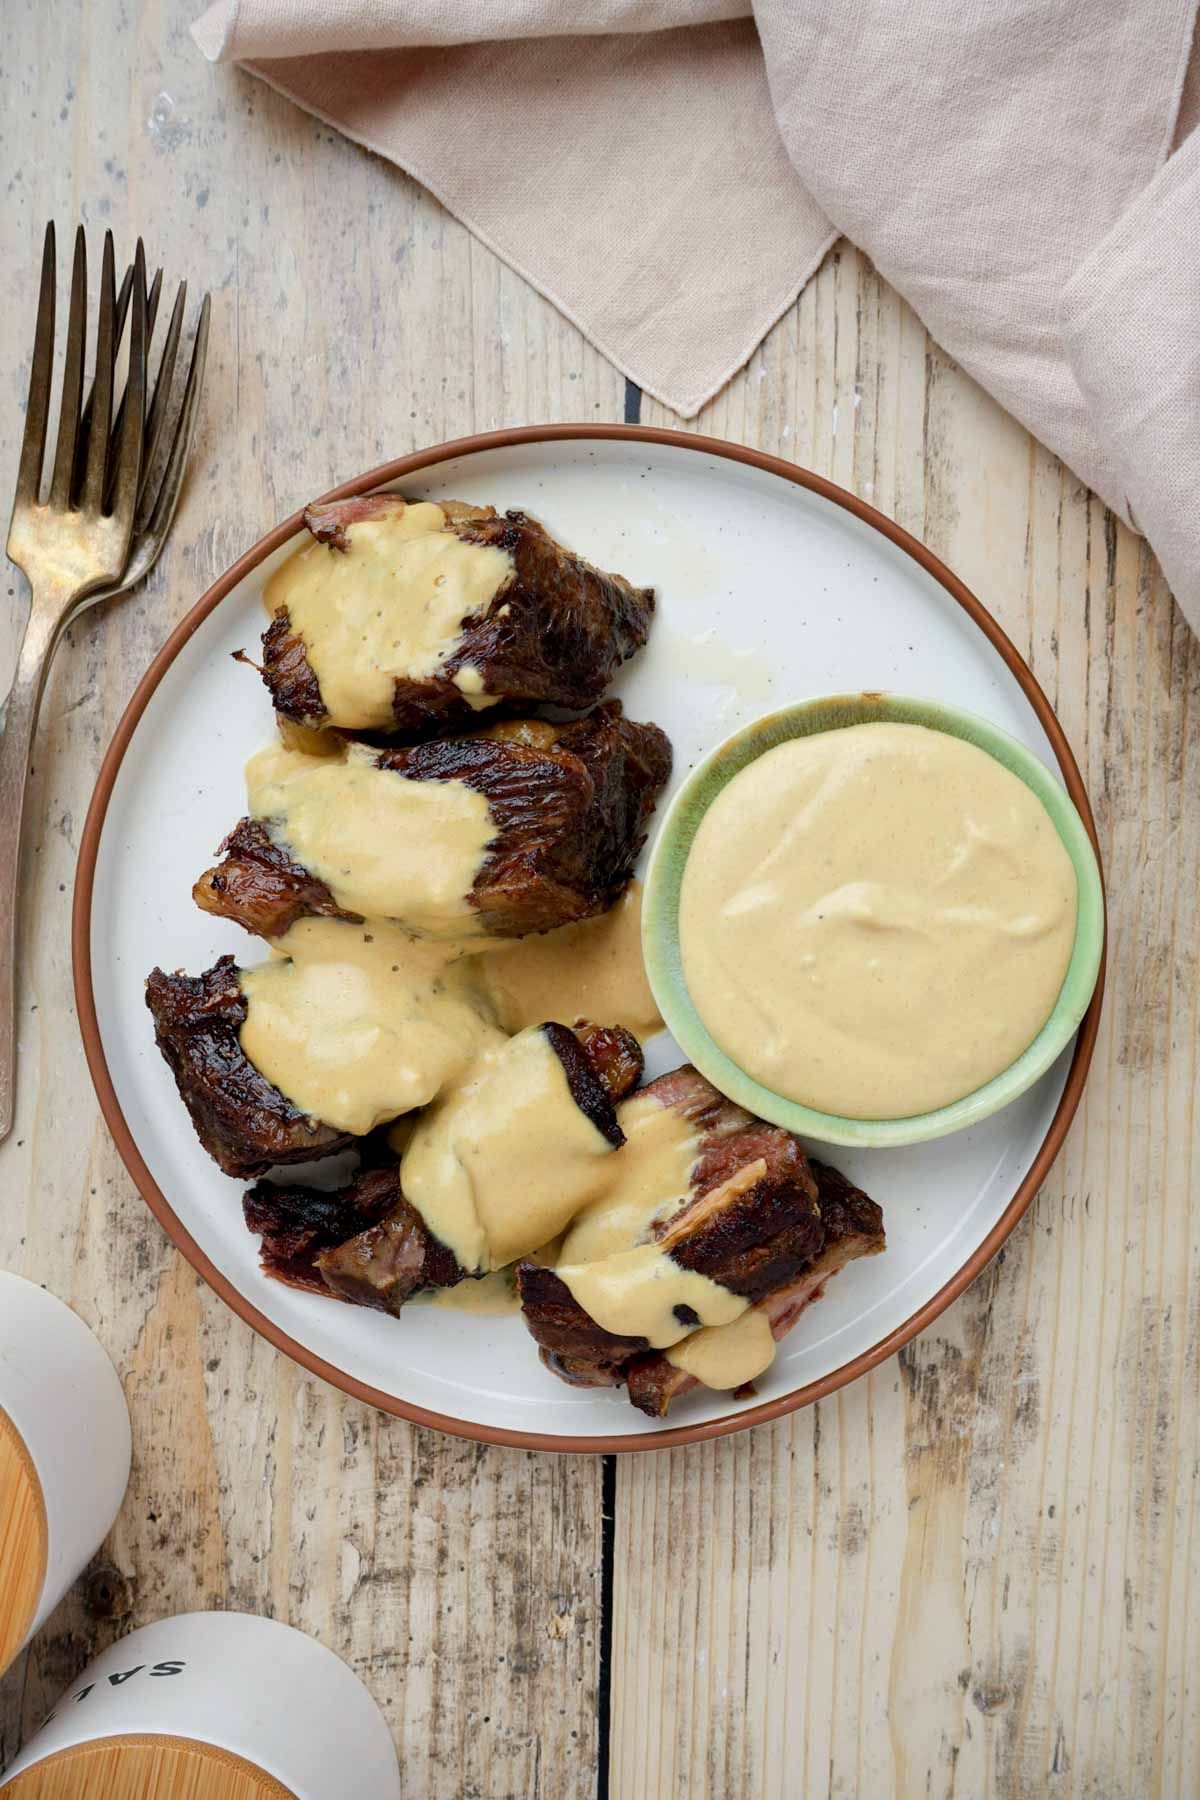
(608, 1492)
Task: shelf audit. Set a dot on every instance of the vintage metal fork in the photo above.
(113, 493)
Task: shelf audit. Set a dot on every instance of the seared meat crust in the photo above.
(362, 1243)
(615, 1055)
(297, 1223)
(570, 802)
(288, 674)
(586, 1083)
(244, 1123)
(852, 1226)
(260, 886)
(381, 1266)
(555, 635)
(569, 1340)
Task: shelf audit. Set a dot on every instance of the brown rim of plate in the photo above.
(157, 1201)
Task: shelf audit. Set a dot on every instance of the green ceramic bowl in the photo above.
(664, 877)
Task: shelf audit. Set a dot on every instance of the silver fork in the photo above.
(113, 493)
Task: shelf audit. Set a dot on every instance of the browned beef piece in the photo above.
(570, 804)
(361, 1243)
(244, 1123)
(556, 634)
(388, 1262)
(259, 885)
(297, 1223)
(616, 1056)
(366, 1244)
(750, 1224)
(852, 1226)
(288, 673)
(569, 1340)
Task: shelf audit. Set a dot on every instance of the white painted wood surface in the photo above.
(971, 1573)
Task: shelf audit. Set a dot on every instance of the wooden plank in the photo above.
(353, 320)
(971, 1573)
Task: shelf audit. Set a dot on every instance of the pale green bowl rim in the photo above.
(664, 876)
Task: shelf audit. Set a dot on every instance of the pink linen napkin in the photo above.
(670, 174)
(1131, 326)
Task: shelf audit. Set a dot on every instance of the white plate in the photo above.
(768, 591)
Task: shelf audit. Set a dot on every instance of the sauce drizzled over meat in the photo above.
(386, 846)
(385, 600)
(357, 1024)
(415, 617)
(727, 1356)
(503, 1161)
(509, 1160)
(455, 987)
(652, 1231)
(508, 832)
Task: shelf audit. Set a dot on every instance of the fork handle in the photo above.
(20, 721)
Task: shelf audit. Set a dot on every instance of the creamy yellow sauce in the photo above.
(360, 1024)
(506, 1162)
(357, 1024)
(469, 681)
(876, 921)
(623, 1278)
(649, 1177)
(725, 1356)
(501, 1163)
(492, 1296)
(391, 603)
(593, 970)
(385, 846)
(635, 1292)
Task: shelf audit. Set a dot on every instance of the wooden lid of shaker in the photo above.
(23, 1540)
(145, 1766)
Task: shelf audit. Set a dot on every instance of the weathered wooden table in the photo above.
(970, 1573)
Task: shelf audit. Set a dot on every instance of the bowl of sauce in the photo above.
(872, 919)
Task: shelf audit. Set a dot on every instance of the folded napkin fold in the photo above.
(1131, 326)
(671, 172)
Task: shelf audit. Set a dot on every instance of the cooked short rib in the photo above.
(751, 1223)
(258, 884)
(768, 1242)
(852, 1226)
(244, 1123)
(555, 634)
(366, 1244)
(297, 1223)
(570, 804)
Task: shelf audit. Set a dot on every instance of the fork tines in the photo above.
(133, 465)
(111, 465)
